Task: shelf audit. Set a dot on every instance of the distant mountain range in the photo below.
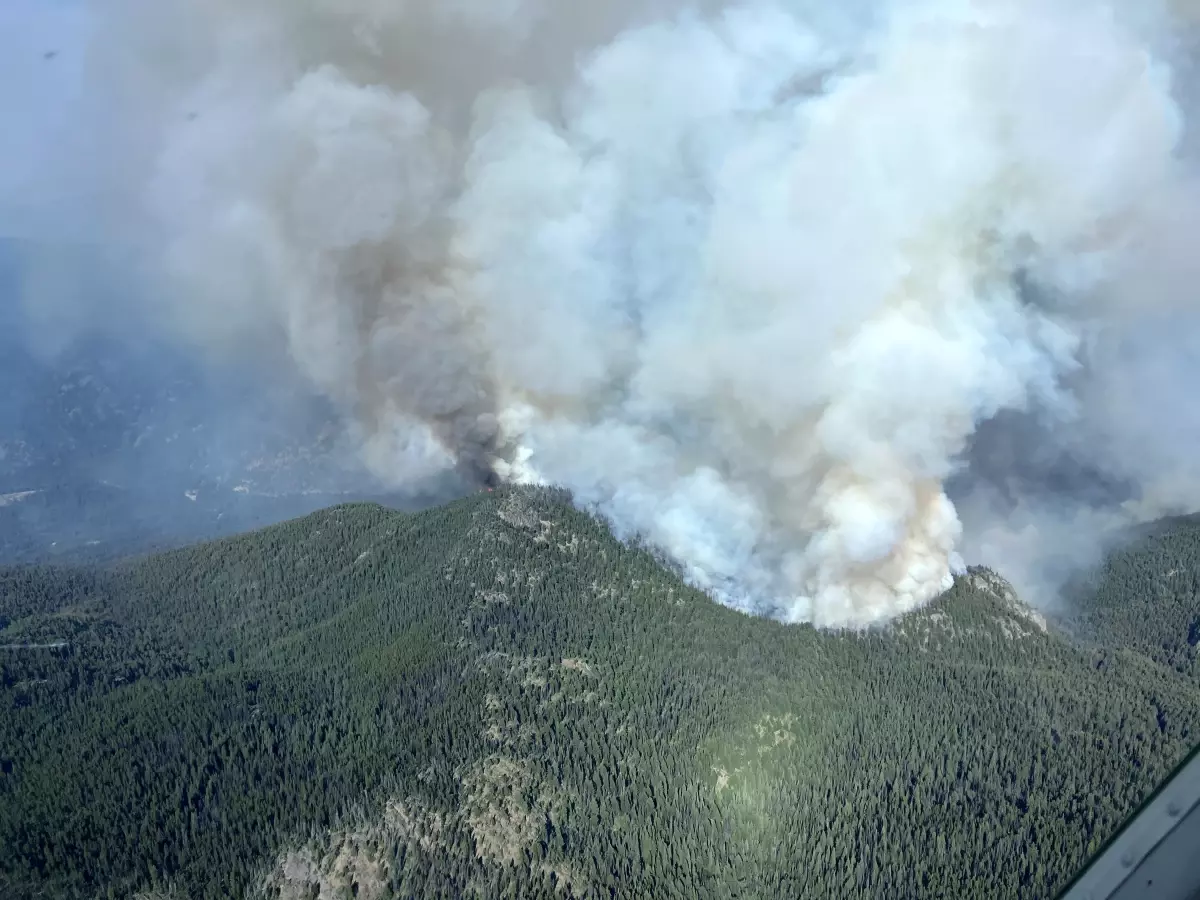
(112, 448)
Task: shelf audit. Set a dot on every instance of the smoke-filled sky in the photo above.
(822, 299)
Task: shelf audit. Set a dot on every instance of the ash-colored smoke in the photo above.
(747, 278)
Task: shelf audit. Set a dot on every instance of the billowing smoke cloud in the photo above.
(765, 283)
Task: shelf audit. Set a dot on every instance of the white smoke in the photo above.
(745, 278)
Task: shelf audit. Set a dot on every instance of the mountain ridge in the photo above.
(495, 697)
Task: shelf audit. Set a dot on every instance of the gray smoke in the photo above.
(817, 298)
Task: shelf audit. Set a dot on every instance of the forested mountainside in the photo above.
(495, 698)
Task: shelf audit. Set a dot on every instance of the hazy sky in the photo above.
(35, 96)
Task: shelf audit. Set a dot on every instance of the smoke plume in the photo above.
(814, 297)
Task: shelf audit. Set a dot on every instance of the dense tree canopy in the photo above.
(495, 698)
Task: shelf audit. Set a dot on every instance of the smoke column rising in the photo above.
(748, 279)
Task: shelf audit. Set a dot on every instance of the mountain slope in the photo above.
(1146, 596)
(495, 698)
